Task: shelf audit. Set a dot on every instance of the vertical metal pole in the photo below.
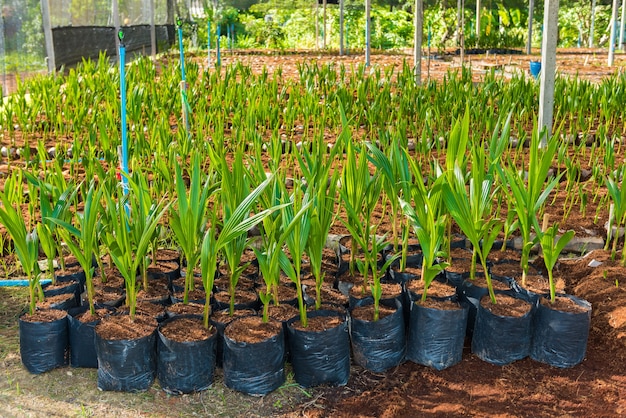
(613, 34)
(341, 7)
(459, 10)
(548, 66)
(529, 41)
(621, 30)
(462, 47)
(368, 36)
(124, 151)
(417, 40)
(592, 25)
(47, 32)
(324, 24)
(217, 46)
(478, 7)
(5, 90)
(115, 11)
(317, 24)
(153, 43)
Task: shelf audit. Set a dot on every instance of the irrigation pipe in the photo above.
(21, 283)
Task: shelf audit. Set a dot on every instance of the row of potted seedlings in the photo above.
(428, 330)
(211, 218)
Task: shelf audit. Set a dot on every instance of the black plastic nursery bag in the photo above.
(43, 345)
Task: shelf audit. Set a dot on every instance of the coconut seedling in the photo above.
(316, 167)
(617, 212)
(551, 247)
(471, 206)
(222, 232)
(296, 222)
(429, 224)
(82, 239)
(129, 234)
(530, 194)
(188, 218)
(26, 244)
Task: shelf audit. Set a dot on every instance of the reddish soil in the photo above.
(596, 387)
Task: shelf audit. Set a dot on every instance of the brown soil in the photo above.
(224, 317)
(563, 304)
(318, 323)
(506, 306)
(166, 254)
(121, 327)
(182, 309)
(56, 300)
(389, 290)
(223, 283)
(594, 388)
(44, 315)
(283, 312)
(252, 329)
(539, 284)
(241, 297)
(87, 317)
(186, 329)
(439, 304)
(70, 268)
(366, 313)
(436, 288)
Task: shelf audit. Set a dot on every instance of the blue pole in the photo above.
(124, 153)
(219, 56)
(179, 23)
(183, 82)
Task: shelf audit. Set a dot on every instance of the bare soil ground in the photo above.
(596, 387)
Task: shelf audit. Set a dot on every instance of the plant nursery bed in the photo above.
(273, 128)
(596, 387)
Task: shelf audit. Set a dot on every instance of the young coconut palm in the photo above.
(530, 195)
(428, 223)
(551, 248)
(238, 224)
(26, 246)
(83, 239)
(128, 238)
(188, 220)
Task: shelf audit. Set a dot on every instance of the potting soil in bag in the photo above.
(255, 368)
(82, 340)
(185, 367)
(43, 345)
(560, 338)
(436, 336)
(502, 339)
(126, 365)
(379, 345)
(320, 357)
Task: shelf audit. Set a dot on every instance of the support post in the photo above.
(621, 24)
(548, 67)
(613, 34)
(341, 23)
(529, 41)
(153, 43)
(368, 36)
(47, 31)
(478, 7)
(324, 24)
(592, 24)
(417, 40)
